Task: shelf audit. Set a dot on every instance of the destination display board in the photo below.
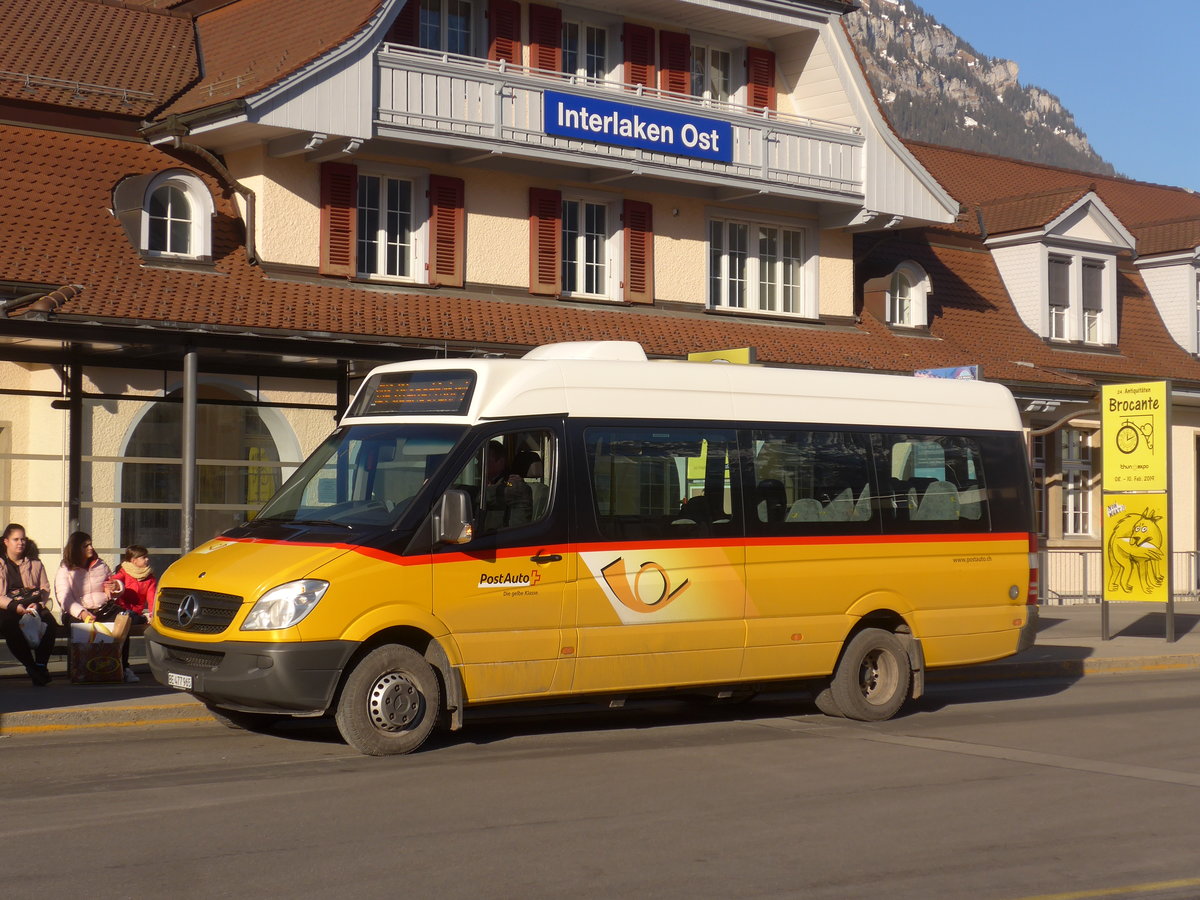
(444, 393)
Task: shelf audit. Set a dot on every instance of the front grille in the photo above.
(214, 611)
(200, 659)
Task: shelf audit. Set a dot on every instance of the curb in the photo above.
(103, 715)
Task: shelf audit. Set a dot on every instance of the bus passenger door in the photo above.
(661, 589)
(502, 594)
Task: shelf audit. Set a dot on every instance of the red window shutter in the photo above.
(545, 37)
(675, 62)
(639, 55)
(504, 17)
(339, 218)
(639, 252)
(760, 78)
(404, 29)
(447, 224)
(545, 241)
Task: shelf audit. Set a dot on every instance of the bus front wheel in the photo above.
(390, 702)
(873, 677)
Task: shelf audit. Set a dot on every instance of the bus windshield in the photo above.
(362, 475)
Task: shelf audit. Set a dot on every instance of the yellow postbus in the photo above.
(584, 522)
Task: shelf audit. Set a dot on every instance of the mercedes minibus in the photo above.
(586, 523)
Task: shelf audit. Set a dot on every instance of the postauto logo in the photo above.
(509, 579)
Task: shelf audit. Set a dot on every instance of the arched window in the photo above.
(907, 297)
(177, 212)
(170, 225)
(237, 477)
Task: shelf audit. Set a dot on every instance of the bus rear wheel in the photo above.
(873, 677)
(390, 703)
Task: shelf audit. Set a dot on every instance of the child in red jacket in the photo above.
(138, 583)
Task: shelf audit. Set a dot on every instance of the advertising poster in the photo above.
(1137, 556)
(1134, 424)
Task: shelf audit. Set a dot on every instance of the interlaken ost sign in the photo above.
(609, 122)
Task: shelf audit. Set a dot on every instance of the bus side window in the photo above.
(935, 480)
(809, 480)
(661, 483)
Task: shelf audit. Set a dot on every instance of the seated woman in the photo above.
(86, 591)
(24, 589)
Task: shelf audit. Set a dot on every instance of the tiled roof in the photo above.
(58, 231)
(82, 54)
(248, 45)
(1031, 211)
(1167, 237)
(977, 179)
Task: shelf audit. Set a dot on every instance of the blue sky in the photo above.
(1126, 71)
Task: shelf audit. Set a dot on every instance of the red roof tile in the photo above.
(1029, 212)
(249, 45)
(83, 54)
(976, 179)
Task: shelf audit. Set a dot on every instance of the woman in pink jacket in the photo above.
(85, 590)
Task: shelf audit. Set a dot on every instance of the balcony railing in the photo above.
(498, 107)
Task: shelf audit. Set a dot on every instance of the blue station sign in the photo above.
(609, 122)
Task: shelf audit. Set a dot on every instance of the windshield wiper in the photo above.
(345, 525)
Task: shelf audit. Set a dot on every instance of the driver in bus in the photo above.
(507, 499)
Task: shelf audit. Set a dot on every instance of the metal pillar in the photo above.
(187, 530)
(74, 447)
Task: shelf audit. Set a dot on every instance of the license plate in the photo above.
(183, 682)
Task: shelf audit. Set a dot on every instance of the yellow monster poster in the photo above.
(1137, 549)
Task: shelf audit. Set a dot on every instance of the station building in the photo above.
(222, 213)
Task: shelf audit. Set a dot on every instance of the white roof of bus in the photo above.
(613, 379)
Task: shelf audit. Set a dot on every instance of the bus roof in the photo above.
(614, 380)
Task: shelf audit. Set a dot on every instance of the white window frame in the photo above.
(737, 67)
(610, 27)
(916, 313)
(476, 39)
(610, 253)
(1085, 311)
(417, 252)
(720, 256)
(1075, 463)
(201, 211)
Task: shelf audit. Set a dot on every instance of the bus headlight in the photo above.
(284, 606)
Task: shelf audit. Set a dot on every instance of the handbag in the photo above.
(33, 628)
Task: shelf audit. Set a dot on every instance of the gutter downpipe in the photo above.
(187, 525)
(179, 143)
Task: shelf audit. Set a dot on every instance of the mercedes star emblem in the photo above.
(189, 608)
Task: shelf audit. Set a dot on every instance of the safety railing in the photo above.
(1070, 577)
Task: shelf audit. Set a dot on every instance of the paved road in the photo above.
(991, 792)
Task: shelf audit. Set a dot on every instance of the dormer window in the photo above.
(906, 297)
(167, 215)
(1075, 292)
(177, 216)
(169, 221)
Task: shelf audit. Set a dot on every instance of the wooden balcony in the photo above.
(495, 108)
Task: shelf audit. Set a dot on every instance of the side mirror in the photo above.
(452, 519)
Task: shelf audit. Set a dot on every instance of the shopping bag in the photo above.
(33, 628)
(93, 654)
(119, 627)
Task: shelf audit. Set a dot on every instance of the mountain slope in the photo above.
(935, 87)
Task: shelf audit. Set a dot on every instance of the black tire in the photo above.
(873, 677)
(242, 721)
(390, 703)
(825, 702)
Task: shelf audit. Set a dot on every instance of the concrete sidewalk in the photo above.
(1069, 645)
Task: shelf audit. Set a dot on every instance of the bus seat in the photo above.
(806, 509)
(840, 508)
(772, 500)
(970, 502)
(862, 507)
(940, 503)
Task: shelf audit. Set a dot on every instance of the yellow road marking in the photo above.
(133, 723)
(1129, 890)
(102, 710)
